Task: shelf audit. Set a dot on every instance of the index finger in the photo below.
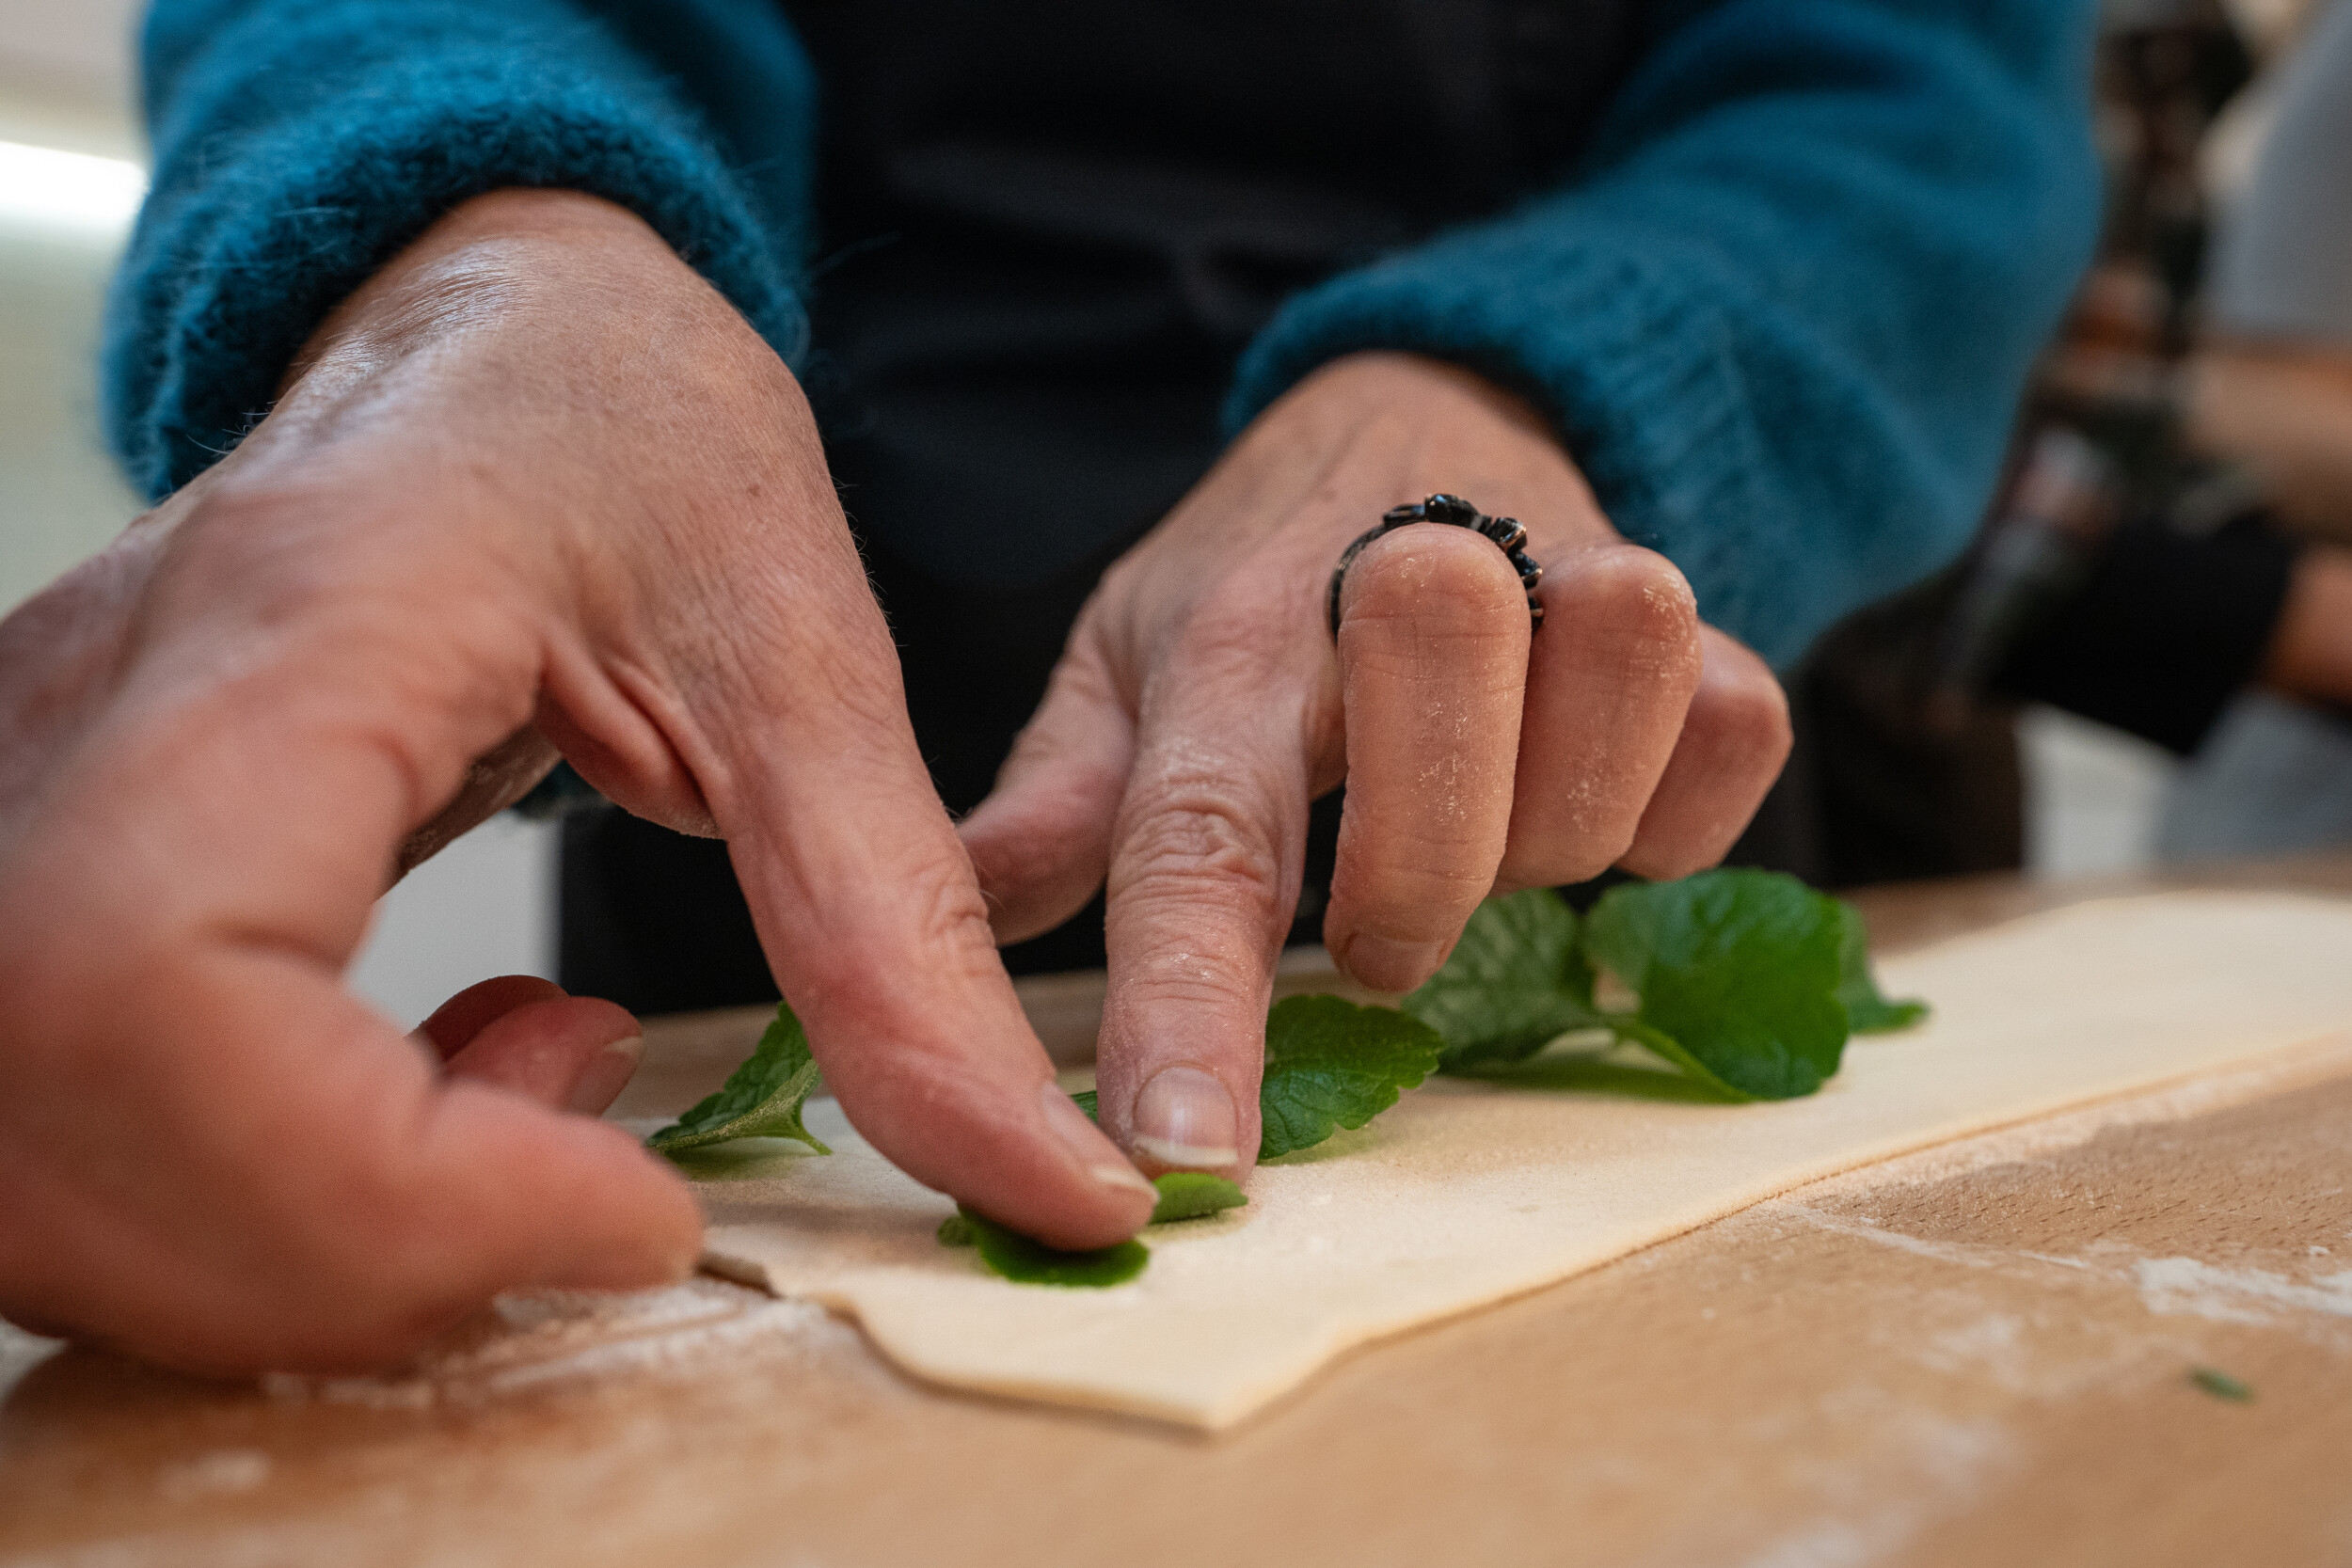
(872, 918)
(1204, 877)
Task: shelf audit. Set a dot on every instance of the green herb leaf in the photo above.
(1330, 1063)
(1738, 971)
(1514, 983)
(1557, 1070)
(1025, 1261)
(1187, 1194)
(2222, 1386)
(1087, 1103)
(1660, 1043)
(762, 1099)
(1184, 1195)
(1868, 1012)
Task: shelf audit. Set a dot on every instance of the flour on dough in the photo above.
(1466, 1194)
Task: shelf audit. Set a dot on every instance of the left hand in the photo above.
(1200, 705)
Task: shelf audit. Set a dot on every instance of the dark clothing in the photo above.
(2161, 632)
(1053, 232)
(1775, 269)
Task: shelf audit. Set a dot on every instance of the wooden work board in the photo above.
(1982, 1354)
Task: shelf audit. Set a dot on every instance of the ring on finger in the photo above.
(1455, 511)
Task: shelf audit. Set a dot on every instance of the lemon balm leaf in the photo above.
(762, 1099)
(1737, 971)
(1027, 1261)
(1868, 1011)
(1513, 984)
(1188, 1194)
(1023, 1259)
(1330, 1064)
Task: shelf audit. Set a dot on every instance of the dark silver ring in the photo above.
(1453, 510)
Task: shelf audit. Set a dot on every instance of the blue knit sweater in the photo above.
(1780, 313)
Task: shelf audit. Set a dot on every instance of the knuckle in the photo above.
(950, 917)
(1561, 866)
(1570, 831)
(1425, 884)
(1231, 639)
(926, 911)
(1192, 982)
(1636, 599)
(1198, 842)
(1420, 572)
(1744, 722)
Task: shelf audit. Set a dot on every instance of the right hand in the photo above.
(2286, 410)
(535, 489)
(2309, 655)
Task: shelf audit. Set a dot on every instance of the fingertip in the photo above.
(948, 1081)
(1029, 1160)
(641, 1224)
(1185, 1120)
(571, 1052)
(1131, 1196)
(1385, 965)
(568, 1202)
(458, 1020)
(1736, 737)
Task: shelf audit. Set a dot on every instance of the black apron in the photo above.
(1048, 227)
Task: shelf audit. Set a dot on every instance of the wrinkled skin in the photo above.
(538, 490)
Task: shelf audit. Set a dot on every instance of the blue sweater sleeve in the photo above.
(1783, 312)
(299, 144)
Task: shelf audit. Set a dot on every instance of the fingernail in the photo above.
(1097, 1153)
(606, 1075)
(1185, 1117)
(1385, 965)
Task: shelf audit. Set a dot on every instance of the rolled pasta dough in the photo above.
(1465, 1195)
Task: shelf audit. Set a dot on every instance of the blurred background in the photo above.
(2043, 704)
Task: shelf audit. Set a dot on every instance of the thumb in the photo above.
(1040, 843)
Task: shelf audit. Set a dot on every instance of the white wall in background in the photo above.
(2093, 795)
(60, 497)
(65, 85)
(484, 906)
(69, 48)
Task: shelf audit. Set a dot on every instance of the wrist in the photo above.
(1374, 384)
(500, 257)
(1440, 426)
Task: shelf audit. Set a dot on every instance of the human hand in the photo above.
(535, 488)
(2309, 653)
(2286, 410)
(1200, 705)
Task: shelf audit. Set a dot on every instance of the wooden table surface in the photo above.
(1980, 1353)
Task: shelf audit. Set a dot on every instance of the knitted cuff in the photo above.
(255, 233)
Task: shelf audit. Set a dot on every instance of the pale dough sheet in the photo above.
(1464, 1194)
